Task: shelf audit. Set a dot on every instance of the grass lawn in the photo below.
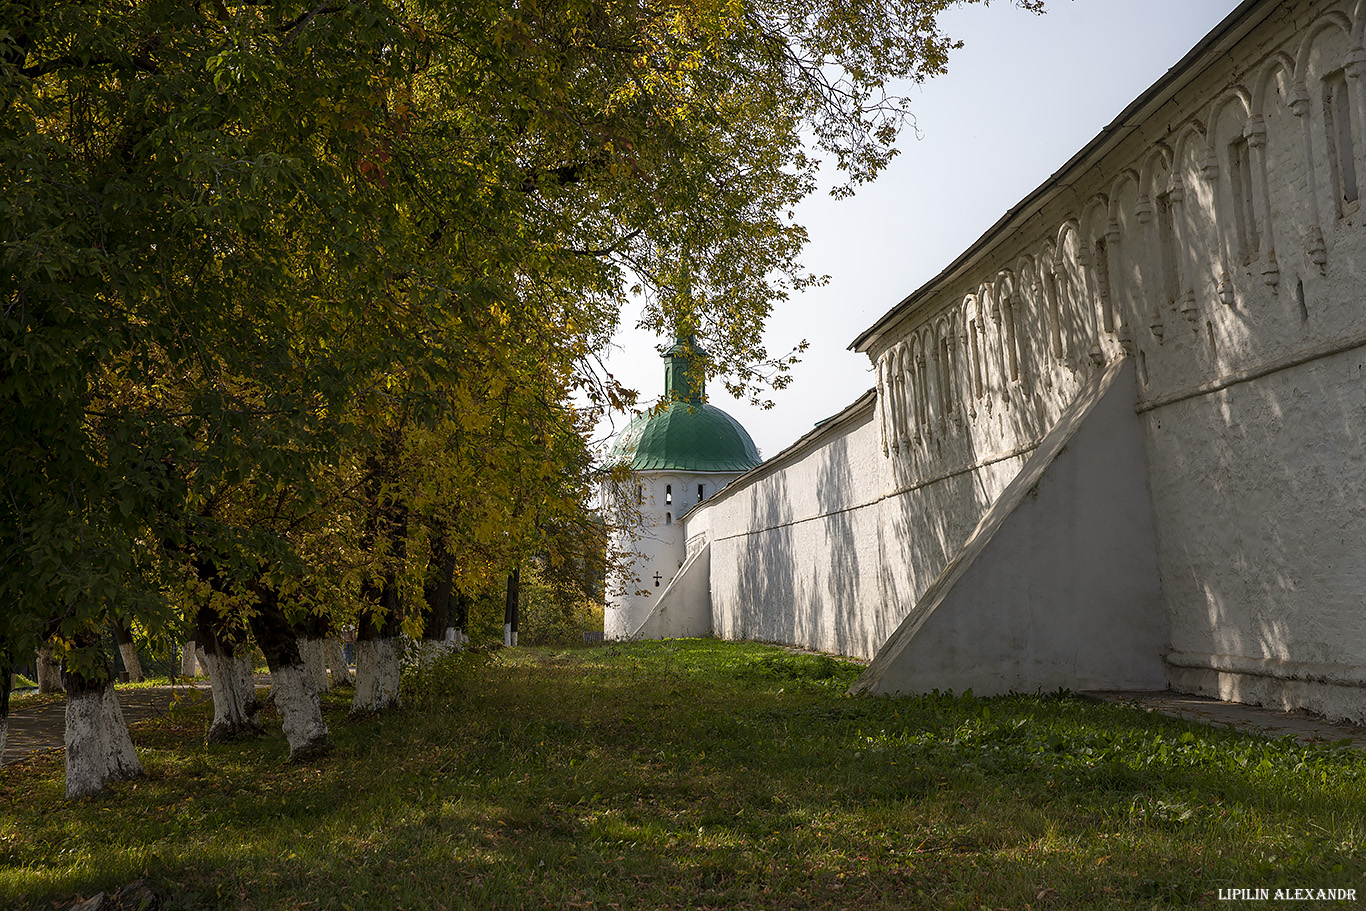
(697, 774)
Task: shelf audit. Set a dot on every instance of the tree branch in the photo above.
(70, 61)
(296, 25)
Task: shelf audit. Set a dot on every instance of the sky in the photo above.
(1021, 97)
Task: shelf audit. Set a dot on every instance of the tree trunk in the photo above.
(6, 684)
(378, 669)
(128, 650)
(49, 671)
(294, 695)
(336, 660)
(315, 662)
(379, 653)
(236, 711)
(312, 631)
(300, 714)
(188, 660)
(98, 748)
(462, 618)
(437, 633)
(510, 610)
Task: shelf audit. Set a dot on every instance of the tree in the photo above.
(230, 220)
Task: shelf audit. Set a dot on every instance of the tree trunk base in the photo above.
(98, 748)
(378, 668)
(300, 714)
(6, 685)
(131, 663)
(49, 672)
(315, 663)
(429, 650)
(236, 712)
(189, 663)
(336, 660)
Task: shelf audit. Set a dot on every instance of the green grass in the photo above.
(697, 774)
(155, 680)
(30, 699)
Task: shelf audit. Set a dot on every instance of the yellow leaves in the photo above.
(490, 529)
(475, 421)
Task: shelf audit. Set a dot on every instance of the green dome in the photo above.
(685, 436)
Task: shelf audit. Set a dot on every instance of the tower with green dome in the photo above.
(682, 451)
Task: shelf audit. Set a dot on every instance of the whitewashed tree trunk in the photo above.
(236, 713)
(315, 663)
(188, 660)
(6, 684)
(378, 670)
(49, 671)
(429, 650)
(98, 748)
(290, 687)
(336, 660)
(300, 713)
(131, 663)
(128, 650)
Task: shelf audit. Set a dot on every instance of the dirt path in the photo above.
(43, 727)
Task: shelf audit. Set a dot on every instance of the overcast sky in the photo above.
(1021, 97)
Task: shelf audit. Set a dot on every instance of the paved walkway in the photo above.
(1249, 719)
(43, 727)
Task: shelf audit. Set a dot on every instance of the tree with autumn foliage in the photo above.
(249, 245)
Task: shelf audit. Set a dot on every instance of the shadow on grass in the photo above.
(697, 774)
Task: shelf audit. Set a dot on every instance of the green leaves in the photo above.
(250, 244)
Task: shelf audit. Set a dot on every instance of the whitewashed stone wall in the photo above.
(1213, 234)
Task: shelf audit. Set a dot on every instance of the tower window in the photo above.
(640, 493)
(668, 518)
(668, 494)
(701, 492)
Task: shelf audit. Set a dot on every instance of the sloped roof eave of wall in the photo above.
(1245, 17)
(865, 402)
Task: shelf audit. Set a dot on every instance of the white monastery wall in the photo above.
(799, 546)
(1212, 234)
(1058, 584)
